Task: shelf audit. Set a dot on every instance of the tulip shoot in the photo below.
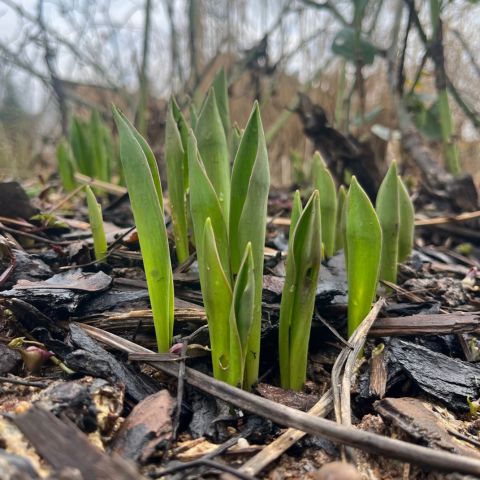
(248, 218)
(145, 194)
(323, 182)
(66, 168)
(212, 145)
(407, 222)
(96, 225)
(177, 177)
(389, 217)
(298, 296)
(364, 244)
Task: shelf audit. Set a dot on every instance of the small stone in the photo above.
(337, 471)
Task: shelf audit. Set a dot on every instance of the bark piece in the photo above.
(426, 325)
(448, 380)
(94, 360)
(418, 420)
(146, 428)
(299, 400)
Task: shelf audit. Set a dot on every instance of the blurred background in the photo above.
(351, 77)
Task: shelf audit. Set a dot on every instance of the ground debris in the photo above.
(94, 360)
(421, 421)
(146, 429)
(447, 380)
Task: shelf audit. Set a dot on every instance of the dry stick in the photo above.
(108, 187)
(419, 222)
(65, 199)
(346, 361)
(369, 442)
(462, 217)
(357, 339)
(203, 463)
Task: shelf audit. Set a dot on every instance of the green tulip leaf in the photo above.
(364, 244)
(150, 223)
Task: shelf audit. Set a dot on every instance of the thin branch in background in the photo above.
(57, 85)
(143, 79)
(401, 63)
(468, 51)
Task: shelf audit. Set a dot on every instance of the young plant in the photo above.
(144, 188)
(323, 182)
(81, 148)
(248, 221)
(213, 149)
(220, 87)
(298, 296)
(234, 231)
(407, 222)
(364, 244)
(340, 222)
(66, 168)
(389, 217)
(100, 159)
(96, 225)
(176, 144)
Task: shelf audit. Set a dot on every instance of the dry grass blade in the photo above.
(357, 341)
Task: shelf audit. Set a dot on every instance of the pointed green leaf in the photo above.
(248, 217)
(80, 147)
(364, 244)
(241, 317)
(323, 182)
(287, 302)
(152, 234)
(204, 204)
(389, 217)
(152, 162)
(99, 153)
(298, 296)
(96, 225)
(339, 225)
(407, 222)
(217, 298)
(175, 157)
(212, 145)
(236, 139)
(193, 116)
(66, 168)
(183, 131)
(220, 88)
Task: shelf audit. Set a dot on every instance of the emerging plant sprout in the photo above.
(220, 87)
(389, 217)
(66, 168)
(298, 296)
(323, 182)
(364, 245)
(144, 188)
(248, 220)
(212, 145)
(176, 144)
(232, 233)
(407, 222)
(96, 225)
